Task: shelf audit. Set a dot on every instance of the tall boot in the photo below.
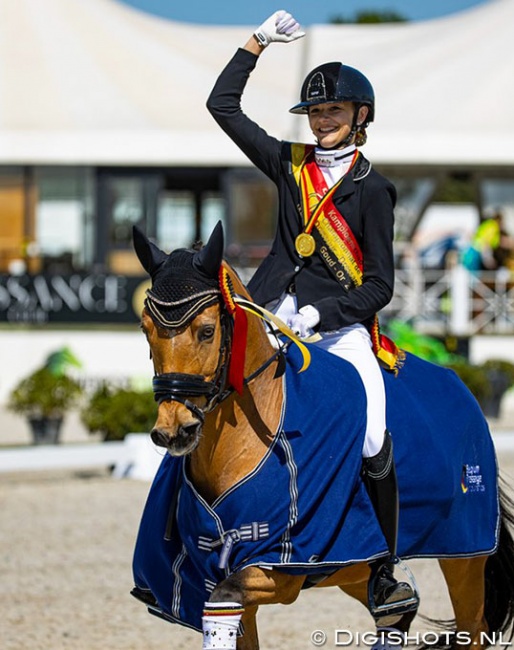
(379, 475)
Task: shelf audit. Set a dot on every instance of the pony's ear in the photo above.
(150, 256)
(209, 258)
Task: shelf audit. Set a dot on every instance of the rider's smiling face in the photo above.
(331, 123)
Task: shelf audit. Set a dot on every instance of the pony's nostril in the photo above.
(185, 437)
(190, 430)
(159, 438)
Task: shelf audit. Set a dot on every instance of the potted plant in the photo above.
(488, 382)
(500, 376)
(115, 412)
(46, 395)
(475, 378)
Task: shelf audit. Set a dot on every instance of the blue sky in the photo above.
(308, 12)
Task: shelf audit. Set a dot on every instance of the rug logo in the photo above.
(471, 479)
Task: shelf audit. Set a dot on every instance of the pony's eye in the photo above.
(206, 333)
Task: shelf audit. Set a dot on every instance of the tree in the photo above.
(369, 17)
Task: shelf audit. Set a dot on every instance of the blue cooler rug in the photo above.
(304, 508)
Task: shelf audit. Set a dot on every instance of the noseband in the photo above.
(178, 386)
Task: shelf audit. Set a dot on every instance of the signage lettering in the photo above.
(75, 298)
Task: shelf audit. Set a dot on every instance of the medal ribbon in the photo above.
(329, 223)
(312, 204)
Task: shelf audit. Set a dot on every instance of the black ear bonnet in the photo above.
(184, 283)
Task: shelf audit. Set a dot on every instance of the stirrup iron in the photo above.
(400, 607)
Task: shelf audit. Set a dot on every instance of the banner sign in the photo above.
(77, 298)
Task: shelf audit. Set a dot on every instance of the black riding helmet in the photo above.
(335, 82)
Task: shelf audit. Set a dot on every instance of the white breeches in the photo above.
(353, 344)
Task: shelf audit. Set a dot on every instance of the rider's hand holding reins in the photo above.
(303, 322)
(280, 27)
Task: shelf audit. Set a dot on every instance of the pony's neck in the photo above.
(237, 434)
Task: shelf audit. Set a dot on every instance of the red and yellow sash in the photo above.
(335, 242)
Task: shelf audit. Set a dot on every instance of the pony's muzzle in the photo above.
(182, 442)
(177, 428)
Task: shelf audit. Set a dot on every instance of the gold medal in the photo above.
(305, 244)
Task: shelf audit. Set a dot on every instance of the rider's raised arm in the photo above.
(224, 102)
(280, 27)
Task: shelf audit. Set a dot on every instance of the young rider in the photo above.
(330, 268)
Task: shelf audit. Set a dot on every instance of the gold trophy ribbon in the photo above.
(305, 244)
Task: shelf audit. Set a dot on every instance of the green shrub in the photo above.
(505, 368)
(475, 378)
(44, 394)
(115, 412)
(426, 347)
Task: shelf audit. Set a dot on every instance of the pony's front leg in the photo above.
(250, 638)
(243, 592)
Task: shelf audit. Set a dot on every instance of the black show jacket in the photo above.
(365, 199)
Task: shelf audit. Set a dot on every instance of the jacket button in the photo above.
(296, 269)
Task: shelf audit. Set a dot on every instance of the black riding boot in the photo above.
(379, 475)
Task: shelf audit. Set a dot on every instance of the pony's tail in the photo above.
(499, 574)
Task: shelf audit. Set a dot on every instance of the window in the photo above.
(213, 210)
(176, 220)
(126, 208)
(498, 194)
(12, 227)
(177, 225)
(413, 196)
(64, 217)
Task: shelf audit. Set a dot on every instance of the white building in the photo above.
(103, 124)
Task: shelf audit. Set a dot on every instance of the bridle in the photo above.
(180, 387)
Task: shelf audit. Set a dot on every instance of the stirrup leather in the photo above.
(397, 608)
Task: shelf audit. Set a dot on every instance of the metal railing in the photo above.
(454, 301)
(451, 301)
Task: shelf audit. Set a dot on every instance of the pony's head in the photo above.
(190, 331)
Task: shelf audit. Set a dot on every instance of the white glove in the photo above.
(303, 322)
(281, 27)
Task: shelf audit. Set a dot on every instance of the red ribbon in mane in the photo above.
(236, 367)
